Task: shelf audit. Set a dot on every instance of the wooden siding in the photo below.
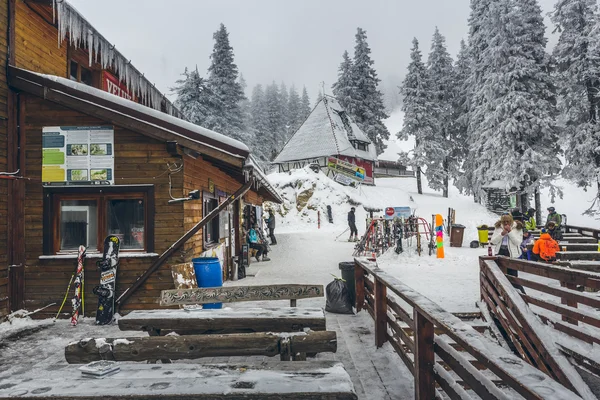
(36, 47)
(138, 160)
(3, 160)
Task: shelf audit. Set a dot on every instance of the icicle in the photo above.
(90, 46)
(53, 11)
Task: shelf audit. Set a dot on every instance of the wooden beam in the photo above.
(179, 243)
(380, 313)
(424, 358)
(229, 294)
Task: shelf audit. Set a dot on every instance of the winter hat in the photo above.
(551, 209)
(544, 230)
(531, 210)
(551, 223)
(352, 208)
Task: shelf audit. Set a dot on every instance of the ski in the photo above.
(76, 301)
(108, 280)
(418, 234)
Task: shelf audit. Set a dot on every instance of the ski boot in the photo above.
(266, 258)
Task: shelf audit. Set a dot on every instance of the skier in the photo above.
(352, 225)
(553, 216)
(555, 231)
(507, 238)
(545, 248)
(271, 227)
(254, 243)
(530, 223)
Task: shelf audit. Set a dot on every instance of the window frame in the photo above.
(102, 194)
(214, 222)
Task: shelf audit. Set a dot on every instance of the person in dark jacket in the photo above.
(553, 216)
(352, 225)
(271, 227)
(555, 231)
(517, 214)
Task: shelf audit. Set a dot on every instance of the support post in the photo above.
(424, 357)
(380, 313)
(569, 302)
(359, 284)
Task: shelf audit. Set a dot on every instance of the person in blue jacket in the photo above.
(254, 242)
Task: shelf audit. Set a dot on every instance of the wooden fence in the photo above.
(433, 343)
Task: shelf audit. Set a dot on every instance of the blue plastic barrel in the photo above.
(208, 274)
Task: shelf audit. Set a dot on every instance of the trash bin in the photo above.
(456, 235)
(483, 233)
(208, 274)
(347, 268)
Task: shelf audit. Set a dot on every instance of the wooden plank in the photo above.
(184, 276)
(424, 357)
(193, 347)
(397, 329)
(359, 284)
(402, 353)
(448, 384)
(579, 315)
(316, 380)
(380, 313)
(576, 296)
(231, 294)
(231, 320)
(570, 330)
(578, 255)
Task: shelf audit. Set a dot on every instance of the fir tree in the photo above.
(366, 102)
(342, 89)
(577, 58)
(319, 97)
(441, 91)
(193, 97)
(304, 104)
(460, 117)
(295, 113)
(417, 115)
(274, 126)
(285, 114)
(259, 123)
(222, 80)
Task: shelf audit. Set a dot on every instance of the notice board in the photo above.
(78, 155)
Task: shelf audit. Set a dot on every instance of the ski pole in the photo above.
(65, 299)
(82, 292)
(338, 236)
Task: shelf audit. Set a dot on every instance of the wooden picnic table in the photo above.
(265, 381)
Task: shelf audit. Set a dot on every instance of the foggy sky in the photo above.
(299, 42)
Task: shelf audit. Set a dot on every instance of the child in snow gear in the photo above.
(530, 223)
(527, 240)
(507, 238)
(554, 231)
(254, 243)
(545, 247)
(271, 227)
(352, 225)
(553, 216)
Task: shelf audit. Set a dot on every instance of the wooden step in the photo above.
(592, 266)
(578, 255)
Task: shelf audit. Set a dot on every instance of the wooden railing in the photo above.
(419, 330)
(561, 297)
(583, 231)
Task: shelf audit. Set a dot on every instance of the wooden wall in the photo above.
(3, 160)
(36, 47)
(139, 160)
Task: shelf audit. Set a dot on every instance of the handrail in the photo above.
(429, 317)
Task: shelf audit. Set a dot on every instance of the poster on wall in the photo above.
(346, 168)
(78, 155)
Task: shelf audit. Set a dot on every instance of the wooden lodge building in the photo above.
(329, 134)
(89, 147)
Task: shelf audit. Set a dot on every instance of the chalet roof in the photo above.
(326, 132)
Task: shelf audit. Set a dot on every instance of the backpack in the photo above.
(548, 249)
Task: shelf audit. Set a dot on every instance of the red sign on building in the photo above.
(111, 84)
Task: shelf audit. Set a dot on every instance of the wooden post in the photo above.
(569, 302)
(424, 357)
(293, 302)
(380, 313)
(359, 284)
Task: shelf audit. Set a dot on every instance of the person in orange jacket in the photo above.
(545, 247)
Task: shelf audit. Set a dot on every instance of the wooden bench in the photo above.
(578, 255)
(266, 381)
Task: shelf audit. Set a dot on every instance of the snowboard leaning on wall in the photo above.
(108, 280)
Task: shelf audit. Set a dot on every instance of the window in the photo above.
(86, 76)
(211, 230)
(79, 73)
(77, 215)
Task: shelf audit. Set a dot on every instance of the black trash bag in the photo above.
(474, 244)
(338, 298)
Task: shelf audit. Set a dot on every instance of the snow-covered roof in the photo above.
(326, 132)
(262, 178)
(168, 123)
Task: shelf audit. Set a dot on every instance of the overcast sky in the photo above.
(299, 42)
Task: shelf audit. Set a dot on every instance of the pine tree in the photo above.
(518, 117)
(262, 144)
(294, 111)
(417, 115)
(366, 102)
(274, 126)
(193, 97)
(342, 89)
(285, 114)
(305, 105)
(577, 58)
(441, 91)
(460, 117)
(319, 97)
(222, 80)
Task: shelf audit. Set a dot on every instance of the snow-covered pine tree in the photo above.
(343, 87)
(258, 113)
(366, 103)
(518, 118)
(460, 116)
(578, 77)
(294, 111)
(274, 126)
(441, 91)
(418, 120)
(193, 97)
(319, 97)
(285, 113)
(305, 108)
(222, 80)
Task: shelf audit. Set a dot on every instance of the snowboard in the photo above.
(77, 297)
(108, 280)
